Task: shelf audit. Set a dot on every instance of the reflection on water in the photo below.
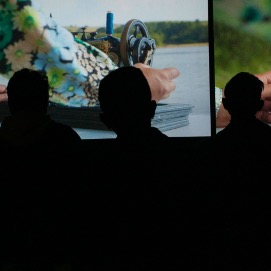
(193, 85)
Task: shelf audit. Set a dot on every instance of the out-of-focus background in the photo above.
(242, 37)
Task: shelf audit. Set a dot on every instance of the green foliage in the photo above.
(179, 32)
(267, 5)
(170, 32)
(236, 50)
(251, 14)
(242, 39)
(159, 38)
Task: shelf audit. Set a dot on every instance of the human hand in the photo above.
(265, 113)
(3, 93)
(160, 80)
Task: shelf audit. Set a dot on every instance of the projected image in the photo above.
(79, 43)
(242, 42)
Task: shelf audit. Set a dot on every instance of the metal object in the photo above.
(134, 46)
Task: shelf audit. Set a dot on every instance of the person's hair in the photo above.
(28, 90)
(244, 87)
(125, 92)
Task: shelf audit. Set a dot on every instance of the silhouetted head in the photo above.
(243, 94)
(125, 96)
(28, 90)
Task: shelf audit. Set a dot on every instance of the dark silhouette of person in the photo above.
(246, 138)
(28, 123)
(38, 150)
(127, 107)
(239, 188)
(242, 99)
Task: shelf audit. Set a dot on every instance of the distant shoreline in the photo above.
(182, 45)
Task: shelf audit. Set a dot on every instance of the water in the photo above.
(193, 85)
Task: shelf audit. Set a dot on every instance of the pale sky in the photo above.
(93, 12)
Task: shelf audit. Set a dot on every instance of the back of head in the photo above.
(28, 90)
(125, 93)
(243, 93)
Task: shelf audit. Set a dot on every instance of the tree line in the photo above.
(169, 32)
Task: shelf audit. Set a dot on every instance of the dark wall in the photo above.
(99, 207)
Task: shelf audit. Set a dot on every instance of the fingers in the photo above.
(265, 77)
(3, 93)
(266, 94)
(160, 80)
(3, 88)
(171, 86)
(266, 106)
(3, 97)
(163, 85)
(171, 73)
(168, 73)
(265, 113)
(142, 66)
(264, 116)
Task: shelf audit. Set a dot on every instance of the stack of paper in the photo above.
(167, 116)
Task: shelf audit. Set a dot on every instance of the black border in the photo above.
(211, 68)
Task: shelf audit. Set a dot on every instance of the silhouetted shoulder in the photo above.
(63, 133)
(253, 129)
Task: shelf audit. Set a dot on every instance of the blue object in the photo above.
(109, 23)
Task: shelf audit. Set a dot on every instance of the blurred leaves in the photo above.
(242, 38)
(251, 14)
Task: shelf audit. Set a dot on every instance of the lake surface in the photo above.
(193, 85)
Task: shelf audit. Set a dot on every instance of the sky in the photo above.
(93, 12)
